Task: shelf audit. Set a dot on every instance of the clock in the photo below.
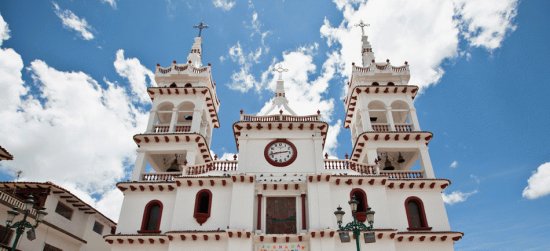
(280, 152)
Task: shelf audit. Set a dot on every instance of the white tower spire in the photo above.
(196, 50)
(280, 97)
(366, 50)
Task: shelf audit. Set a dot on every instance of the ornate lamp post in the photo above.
(355, 226)
(23, 224)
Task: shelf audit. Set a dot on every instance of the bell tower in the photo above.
(381, 116)
(183, 114)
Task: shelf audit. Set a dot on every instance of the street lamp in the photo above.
(23, 224)
(355, 226)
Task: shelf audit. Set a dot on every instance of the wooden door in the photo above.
(281, 215)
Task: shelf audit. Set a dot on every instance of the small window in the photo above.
(203, 204)
(375, 84)
(416, 216)
(391, 84)
(64, 210)
(5, 235)
(98, 228)
(151, 217)
(188, 85)
(173, 85)
(48, 247)
(362, 206)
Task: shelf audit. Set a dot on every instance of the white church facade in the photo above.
(282, 192)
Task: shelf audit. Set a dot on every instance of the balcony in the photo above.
(380, 127)
(385, 127)
(344, 165)
(280, 117)
(165, 128)
(403, 128)
(216, 166)
(364, 169)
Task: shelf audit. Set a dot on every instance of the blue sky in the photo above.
(73, 93)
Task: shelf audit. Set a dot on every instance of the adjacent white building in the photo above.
(282, 191)
(70, 225)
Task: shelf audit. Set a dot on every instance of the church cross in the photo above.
(280, 70)
(362, 25)
(200, 26)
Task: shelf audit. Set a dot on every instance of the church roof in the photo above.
(4, 154)
(67, 196)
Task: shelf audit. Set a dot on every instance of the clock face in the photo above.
(280, 152)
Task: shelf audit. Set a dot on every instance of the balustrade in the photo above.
(380, 127)
(403, 128)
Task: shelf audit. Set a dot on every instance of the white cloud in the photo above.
(110, 204)
(4, 30)
(538, 185)
(243, 80)
(305, 97)
(486, 23)
(71, 127)
(454, 164)
(112, 3)
(228, 156)
(136, 73)
(225, 5)
(425, 33)
(72, 22)
(456, 197)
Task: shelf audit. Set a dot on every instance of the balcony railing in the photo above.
(183, 128)
(381, 127)
(165, 128)
(218, 165)
(364, 169)
(280, 117)
(160, 176)
(403, 174)
(338, 164)
(403, 128)
(161, 128)
(12, 201)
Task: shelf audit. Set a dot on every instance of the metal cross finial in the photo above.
(200, 26)
(362, 25)
(279, 68)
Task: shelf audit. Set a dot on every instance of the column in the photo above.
(389, 116)
(152, 118)
(365, 120)
(259, 212)
(414, 119)
(139, 166)
(173, 120)
(319, 155)
(426, 162)
(190, 156)
(196, 123)
(303, 202)
(372, 155)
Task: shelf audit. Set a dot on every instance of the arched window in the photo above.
(151, 217)
(375, 84)
(188, 85)
(415, 214)
(173, 85)
(391, 84)
(203, 205)
(362, 206)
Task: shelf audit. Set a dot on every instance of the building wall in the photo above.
(81, 227)
(253, 143)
